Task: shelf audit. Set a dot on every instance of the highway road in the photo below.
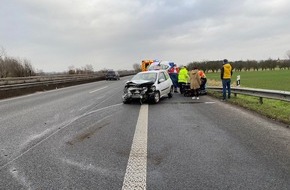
(84, 137)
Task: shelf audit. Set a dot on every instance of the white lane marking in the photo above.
(209, 102)
(82, 108)
(98, 89)
(135, 177)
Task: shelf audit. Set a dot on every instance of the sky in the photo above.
(55, 35)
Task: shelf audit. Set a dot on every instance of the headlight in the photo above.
(144, 90)
(153, 88)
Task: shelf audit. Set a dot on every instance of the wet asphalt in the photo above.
(80, 138)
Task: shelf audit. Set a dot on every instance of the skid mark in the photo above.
(20, 178)
(33, 139)
(90, 167)
(57, 131)
(86, 134)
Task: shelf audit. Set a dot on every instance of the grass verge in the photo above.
(273, 109)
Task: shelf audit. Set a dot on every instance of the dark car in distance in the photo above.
(112, 75)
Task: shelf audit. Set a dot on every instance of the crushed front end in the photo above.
(138, 90)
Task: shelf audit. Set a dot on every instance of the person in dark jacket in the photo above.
(226, 75)
(173, 73)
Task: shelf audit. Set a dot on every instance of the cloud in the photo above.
(110, 34)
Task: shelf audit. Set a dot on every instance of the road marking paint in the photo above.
(82, 108)
(209, 102)
(135, 176)
(98, 89)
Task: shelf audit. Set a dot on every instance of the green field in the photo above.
(273, 80)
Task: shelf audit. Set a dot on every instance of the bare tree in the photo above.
(137, 67)
(28, 69)
(14, 67)
(89, 69)
(2, 68)
(3, 53)
(288, 54)
(71, 69)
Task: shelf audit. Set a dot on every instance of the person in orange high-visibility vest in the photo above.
(203, 79)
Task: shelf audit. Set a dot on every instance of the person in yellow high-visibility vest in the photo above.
(183, 78)
(226, 75)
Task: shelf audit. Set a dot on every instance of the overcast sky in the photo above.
(114, 34)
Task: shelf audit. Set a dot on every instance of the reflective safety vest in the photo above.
(201, 74)
(173, 70)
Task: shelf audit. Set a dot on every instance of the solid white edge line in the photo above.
(135, 176)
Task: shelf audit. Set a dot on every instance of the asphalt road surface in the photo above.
(84, 137)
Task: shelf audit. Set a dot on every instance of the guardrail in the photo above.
(25, 82)
(10, 87)
(28, 82)
(261, 93)
(46, 78)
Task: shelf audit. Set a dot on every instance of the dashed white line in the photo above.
(135, 177)
(98, 89)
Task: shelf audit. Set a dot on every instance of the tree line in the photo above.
(215, 66)
(88, 69)
(12, 67)
(15, 67)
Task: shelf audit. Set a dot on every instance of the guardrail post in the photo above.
(238, 83)
(238, 80)
(261, 100)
